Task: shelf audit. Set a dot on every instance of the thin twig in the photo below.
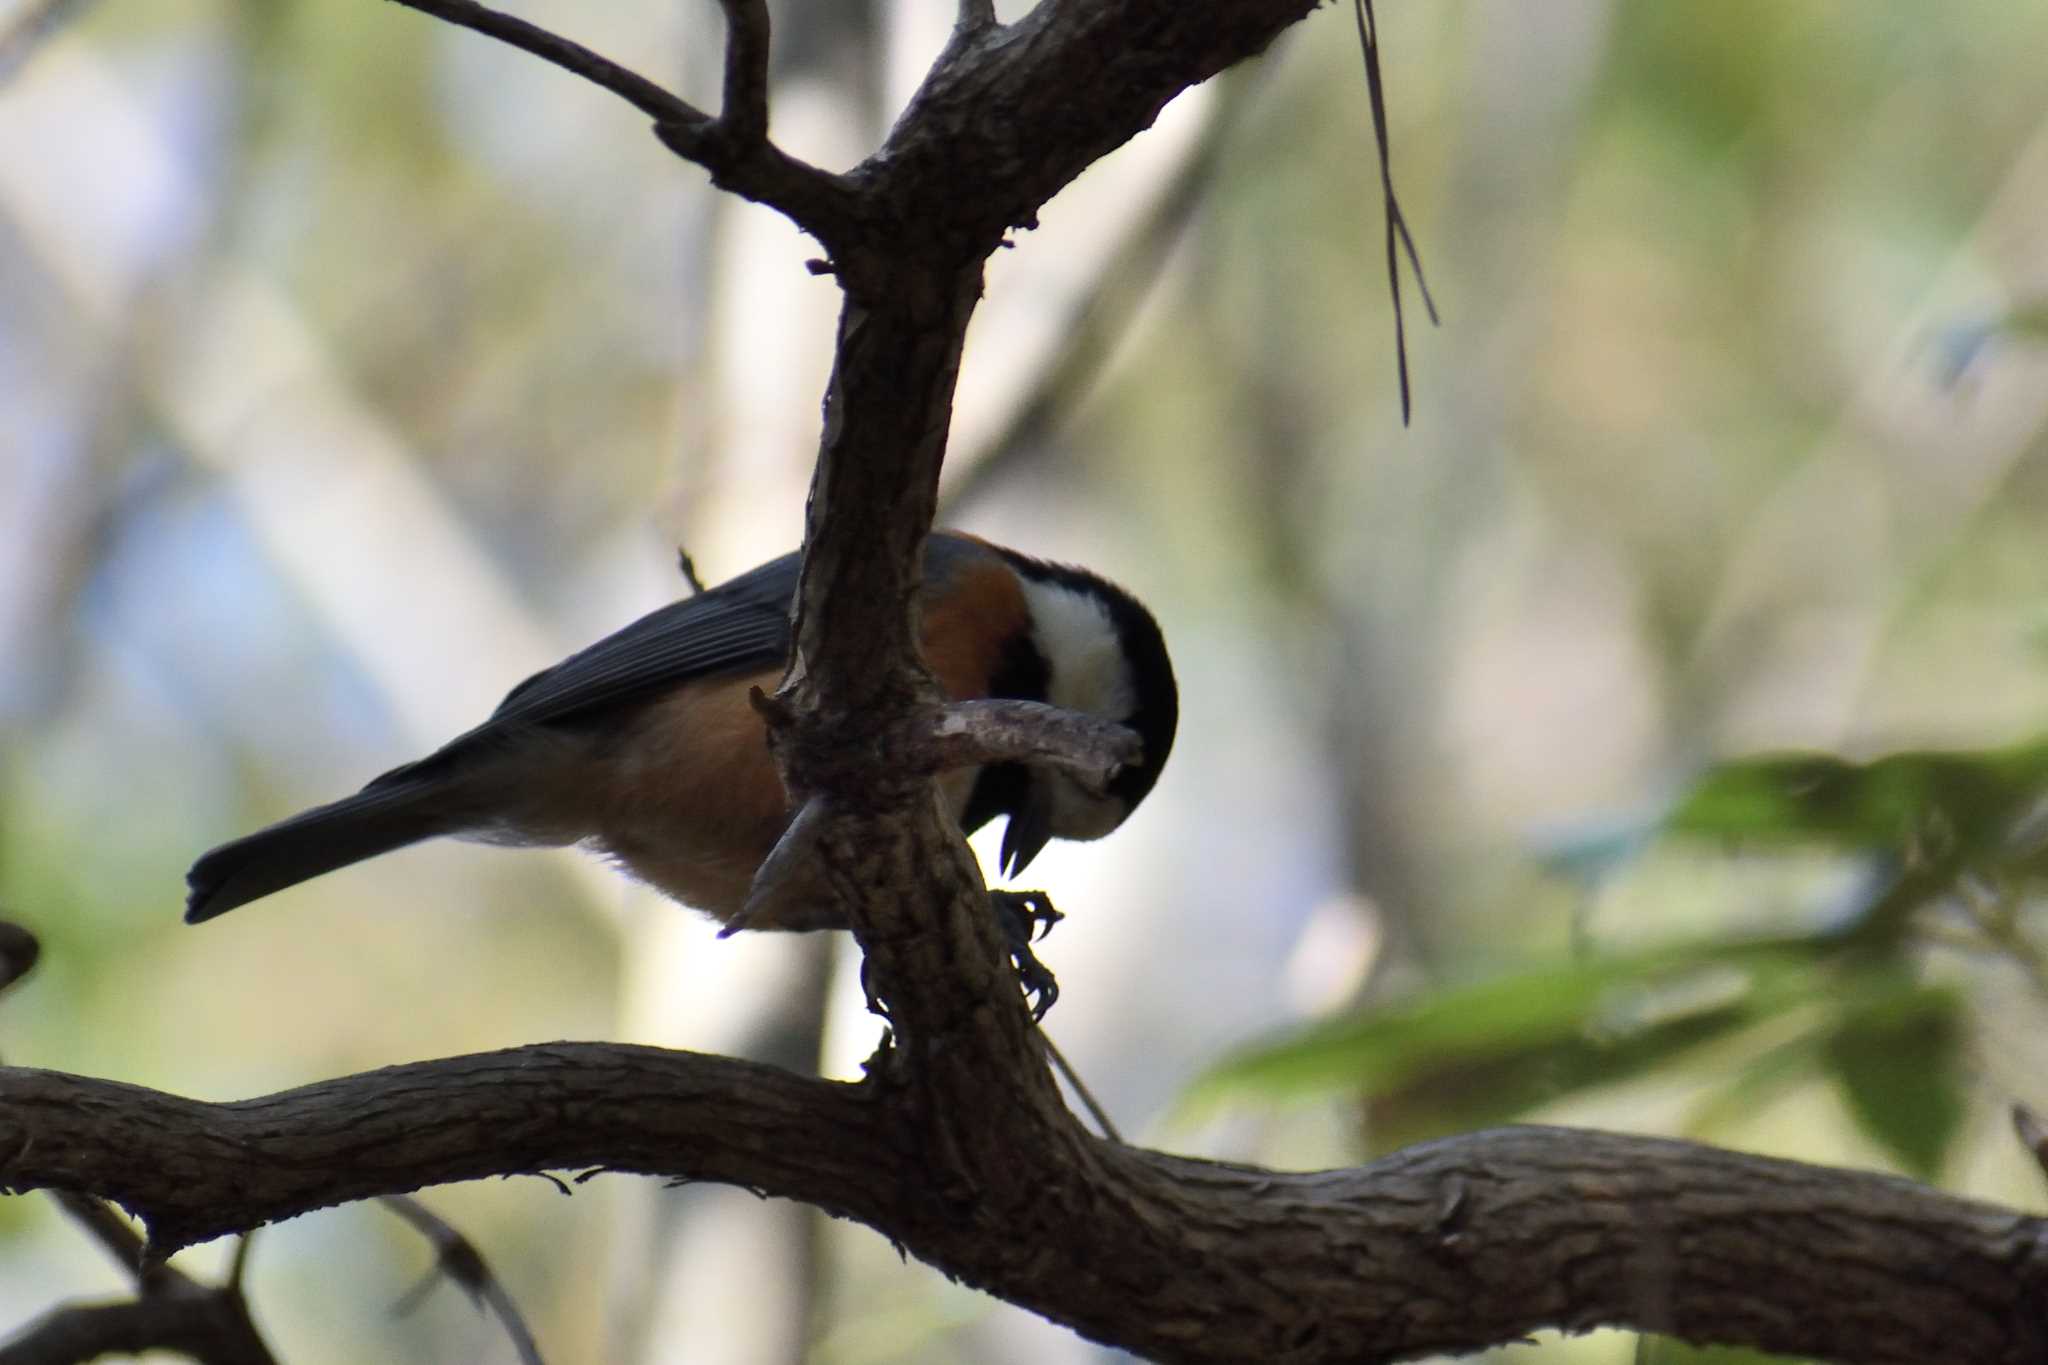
(118, 1237)
(172, 1311)
(972, 734)
(734, 149)
(1397, 222)
(630, 86)
(238, 1266)
(744, 113)
(456, 1257)
(1080, 1089)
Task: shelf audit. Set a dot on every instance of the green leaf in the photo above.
(1896, 1051)
(1462, 1094)
(1487, 1051)
(1961, 800)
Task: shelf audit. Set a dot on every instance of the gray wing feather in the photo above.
(741, 624)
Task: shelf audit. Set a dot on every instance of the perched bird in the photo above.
(646, 748)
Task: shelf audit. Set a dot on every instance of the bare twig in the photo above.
(1397, 222)
(635, 89)
(970, 734)
(734, 149)
(212, 1327)
(457, 1258)
(118, 1237)
(744, 112)
(172, 1312)
(238, 1264)
(1103, 1123)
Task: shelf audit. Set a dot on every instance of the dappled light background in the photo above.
(352, 367)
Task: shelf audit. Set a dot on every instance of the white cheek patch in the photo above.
(1082, 652)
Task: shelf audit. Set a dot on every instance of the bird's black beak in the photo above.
(1029, 830)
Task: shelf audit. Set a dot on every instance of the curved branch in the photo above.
(194, 1171)
(573, 57)
(1448, 1246)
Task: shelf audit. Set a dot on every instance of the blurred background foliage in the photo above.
(1648, 737)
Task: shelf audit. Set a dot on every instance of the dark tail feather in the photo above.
(310, 843)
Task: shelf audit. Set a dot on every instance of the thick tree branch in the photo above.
(1447, 1246)
(1009, 115)
(1006, 117)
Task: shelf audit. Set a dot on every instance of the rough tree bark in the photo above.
(956, 1145)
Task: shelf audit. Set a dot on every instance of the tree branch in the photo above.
(457, 1258)
(212, 1327)
(734, 148)
(970, 734)
(635, 89)
(172, 1311)
(744, 112)
(1007, 117)
(121, 1241)
(1448, 1246)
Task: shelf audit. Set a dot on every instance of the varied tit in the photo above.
(646, 747)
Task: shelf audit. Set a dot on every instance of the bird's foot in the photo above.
(1025, 916)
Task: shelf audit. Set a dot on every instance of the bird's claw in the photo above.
(1025, 916)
